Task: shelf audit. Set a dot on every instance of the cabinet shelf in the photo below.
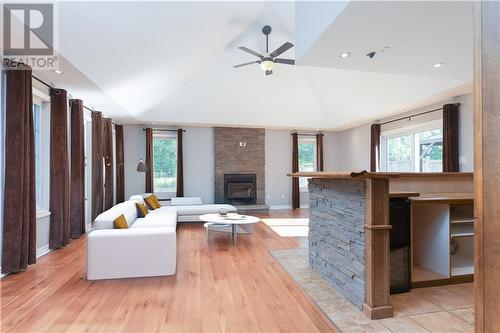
(462, 220)
(462, 230)
(462, 265)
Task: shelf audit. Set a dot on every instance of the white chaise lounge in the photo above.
(148, 246)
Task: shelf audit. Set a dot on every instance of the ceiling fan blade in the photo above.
(281, 49)
(269, 72)
(246, 49)
(246, 63)
(285, 61)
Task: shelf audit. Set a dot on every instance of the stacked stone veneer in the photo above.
(231, 158)
(337, 234)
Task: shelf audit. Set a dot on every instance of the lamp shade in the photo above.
(142, 167)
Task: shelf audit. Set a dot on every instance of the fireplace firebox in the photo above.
(240, 189)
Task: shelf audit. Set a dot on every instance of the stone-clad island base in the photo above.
(337, 235)
(349, 236)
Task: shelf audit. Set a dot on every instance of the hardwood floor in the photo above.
(218, 288)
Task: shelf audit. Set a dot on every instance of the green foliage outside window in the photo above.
(164, 164)
(399, 148)
(306, 154)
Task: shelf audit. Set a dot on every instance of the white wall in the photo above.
(134, 147)
(199, 163)
(354, 149)
(355, 143)
(278, 150)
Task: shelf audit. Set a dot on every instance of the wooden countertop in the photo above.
(443, 198)
(402, 194)
(365, 174)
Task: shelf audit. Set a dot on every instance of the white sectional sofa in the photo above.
(148, 246)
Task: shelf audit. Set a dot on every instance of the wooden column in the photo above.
(377, 287)
(487, 165)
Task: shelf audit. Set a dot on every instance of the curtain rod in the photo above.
(164, 130)
(306, 134)
(410, 116)
(50, 87)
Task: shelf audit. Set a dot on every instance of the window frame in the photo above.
(42, 203)
(308, 139)
(411, 130)
(164, 195)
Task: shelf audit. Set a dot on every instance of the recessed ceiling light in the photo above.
(58, 71)
(437, 65)
(344, 55)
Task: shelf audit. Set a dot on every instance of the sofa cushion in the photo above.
(137, 198)
(165, 219)
(203, 209)
(105, 219)
(186, 201)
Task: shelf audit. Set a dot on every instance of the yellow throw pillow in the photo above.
(156, 201)
(142, 210)
(120, 222)
(151, 202)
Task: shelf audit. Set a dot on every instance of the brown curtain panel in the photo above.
(295, 168)
(19, 210)
(180, 164)
(77, 185)
(451, 138)
(108, 163)
(97, 168)
(120, 164)
(59, 170)
(375, 148)
(149, 160)
(319, 152)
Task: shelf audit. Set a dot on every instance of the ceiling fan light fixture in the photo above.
(267, 65)
(437, 65)
(344, 55)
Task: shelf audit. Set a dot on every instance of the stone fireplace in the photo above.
(239, 165)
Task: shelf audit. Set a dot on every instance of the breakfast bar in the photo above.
(349, 227)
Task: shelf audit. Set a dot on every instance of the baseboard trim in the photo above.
(280, 207)
(42, 251)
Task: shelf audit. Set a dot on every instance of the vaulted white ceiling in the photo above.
(171, 62)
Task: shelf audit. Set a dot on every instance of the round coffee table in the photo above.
(217, 220)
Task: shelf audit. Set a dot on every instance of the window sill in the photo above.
(40, 214)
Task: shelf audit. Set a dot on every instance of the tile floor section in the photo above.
(437, 309)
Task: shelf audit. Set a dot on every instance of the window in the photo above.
(165, 164)
(38, 153)
(415, 149)
(41, 129)
(307, 158)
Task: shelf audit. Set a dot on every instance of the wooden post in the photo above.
(377, 285)
(487, 165)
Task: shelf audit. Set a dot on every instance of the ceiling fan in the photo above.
(268, 60)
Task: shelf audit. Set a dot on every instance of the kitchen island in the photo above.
(349, 228)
